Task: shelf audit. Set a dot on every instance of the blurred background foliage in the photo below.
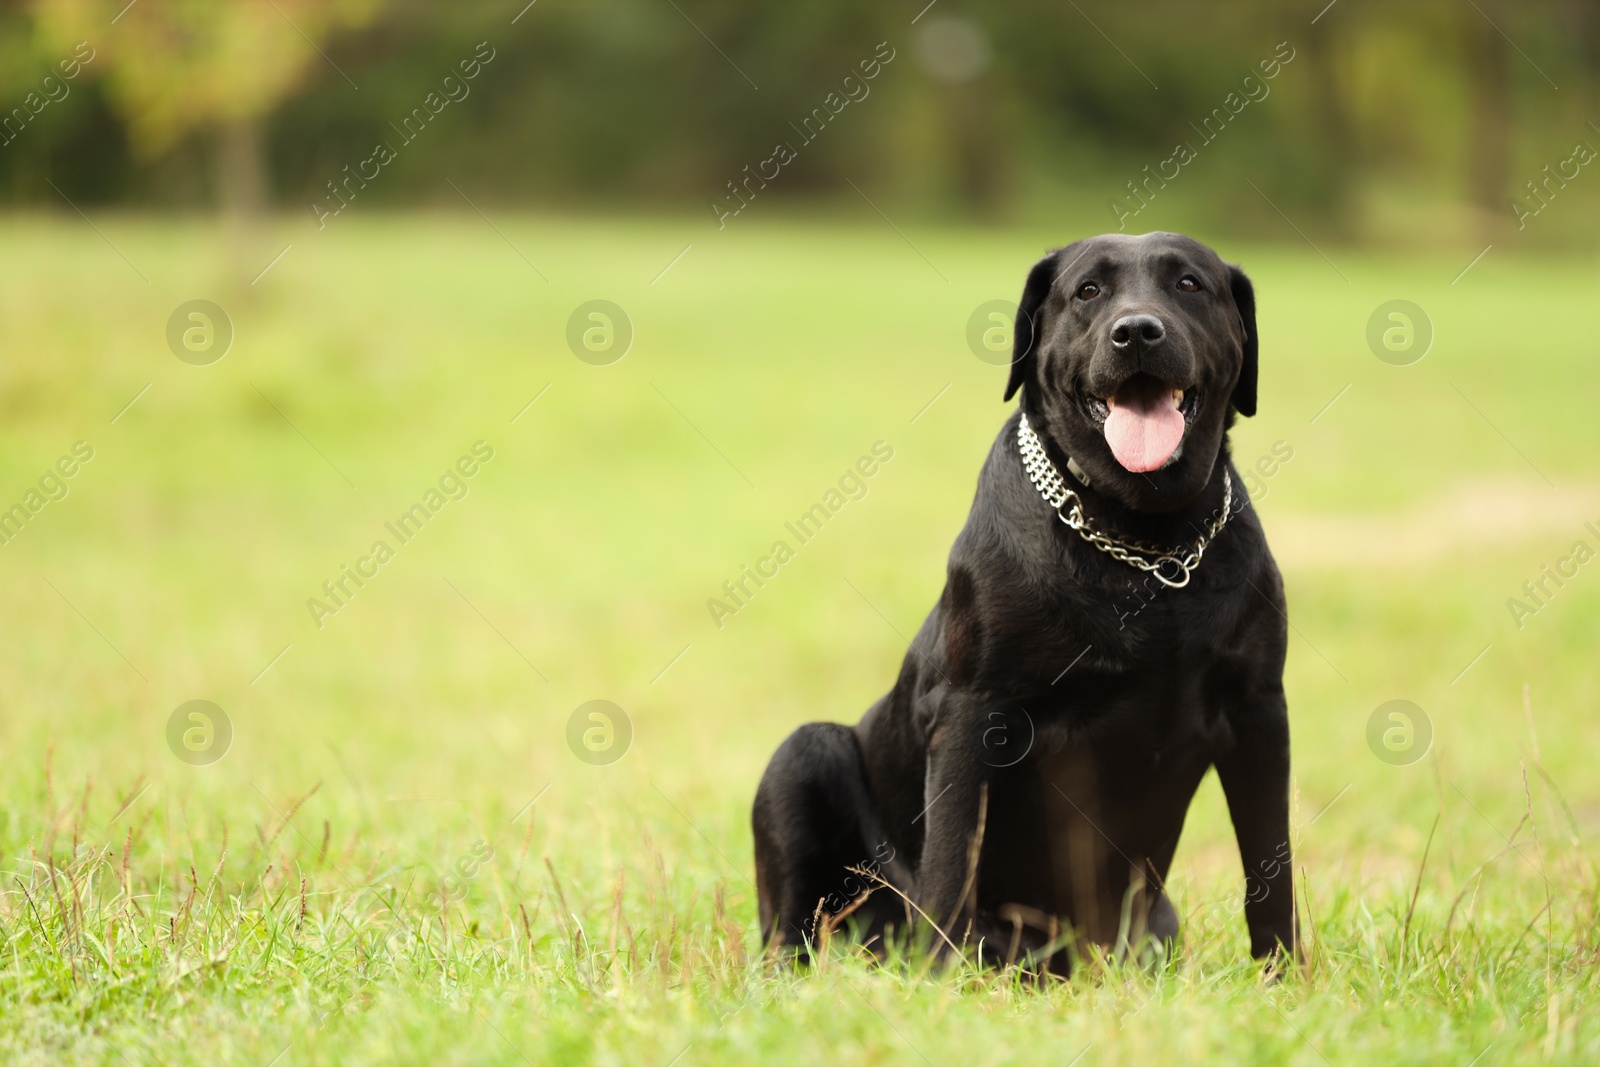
(1396, 123)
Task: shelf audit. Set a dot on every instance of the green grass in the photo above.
(294, 895)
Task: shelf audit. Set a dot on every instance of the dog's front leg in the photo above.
(1255, 779)
(955, 794)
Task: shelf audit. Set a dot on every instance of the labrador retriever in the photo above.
(1112, 626)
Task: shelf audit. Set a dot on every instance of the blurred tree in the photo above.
(1489, 156)
(176, 67)
(1336, 149)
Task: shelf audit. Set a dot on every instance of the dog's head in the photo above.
(1136, 351)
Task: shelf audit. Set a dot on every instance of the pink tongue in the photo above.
(1143, 434)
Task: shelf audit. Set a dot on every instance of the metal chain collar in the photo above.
(1180, 563)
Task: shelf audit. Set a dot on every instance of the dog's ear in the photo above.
(1025, 334)
(1244, 298)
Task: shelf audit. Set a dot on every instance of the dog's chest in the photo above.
(1126, 622)
(1142, 714)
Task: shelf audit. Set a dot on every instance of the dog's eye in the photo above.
(1187, 284)
(1088, 291)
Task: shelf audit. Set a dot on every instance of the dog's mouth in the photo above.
(1144, 421)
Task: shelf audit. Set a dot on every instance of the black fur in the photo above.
(1076, 700)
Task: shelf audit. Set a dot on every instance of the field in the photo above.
(399, 858)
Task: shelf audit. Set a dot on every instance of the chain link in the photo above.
(1180, 563)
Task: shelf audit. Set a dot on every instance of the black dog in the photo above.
(1025, 781)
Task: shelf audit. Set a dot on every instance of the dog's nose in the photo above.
(1142, 331)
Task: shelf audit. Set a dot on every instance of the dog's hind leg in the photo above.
(813, 820)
